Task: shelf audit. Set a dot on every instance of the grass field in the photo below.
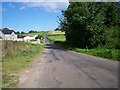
(16, 57)
(57, 37)
(55, 32)
(32, 34)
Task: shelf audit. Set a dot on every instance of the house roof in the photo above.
(7, 31)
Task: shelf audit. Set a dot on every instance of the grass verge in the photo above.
(104, 53)
(16, 57)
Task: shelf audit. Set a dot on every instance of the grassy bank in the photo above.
(16, 57)
(112, 54)
(105, 53)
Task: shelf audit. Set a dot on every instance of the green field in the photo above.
(16, 57)
(32, 34)
(57, 37)
(55, 32)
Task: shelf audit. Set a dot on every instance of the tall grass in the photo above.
(16, 56)
(11, 48)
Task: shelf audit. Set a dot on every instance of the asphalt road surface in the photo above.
(58, 68)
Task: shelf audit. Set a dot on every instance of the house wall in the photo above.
(12, 36)
(2, 35)
(7, 37)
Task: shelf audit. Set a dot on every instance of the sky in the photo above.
(26, 16)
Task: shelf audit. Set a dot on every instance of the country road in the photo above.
(58, 68)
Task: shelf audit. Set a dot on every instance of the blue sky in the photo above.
(26, 16)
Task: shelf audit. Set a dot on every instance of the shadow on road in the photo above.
(53, 46)
(50, 44)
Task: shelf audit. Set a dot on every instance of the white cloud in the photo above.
(35, 0)
(55, 0)
(11, 5)
(21, 8)
(48, 6)
(2, 9)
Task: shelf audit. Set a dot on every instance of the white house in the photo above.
(29, 38)
(8, 35)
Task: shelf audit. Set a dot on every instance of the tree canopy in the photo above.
(91, 24)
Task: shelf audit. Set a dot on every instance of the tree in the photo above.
(5, 28)
(18, 32)
(57, 29)
(87, 25)
(74, 24)
(32, 31)
(22, 32)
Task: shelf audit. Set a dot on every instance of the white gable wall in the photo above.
(7, 37)
(2, 35)
(13, 36)
(10, 37)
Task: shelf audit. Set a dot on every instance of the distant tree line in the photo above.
(92, 24)
(31, 31)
